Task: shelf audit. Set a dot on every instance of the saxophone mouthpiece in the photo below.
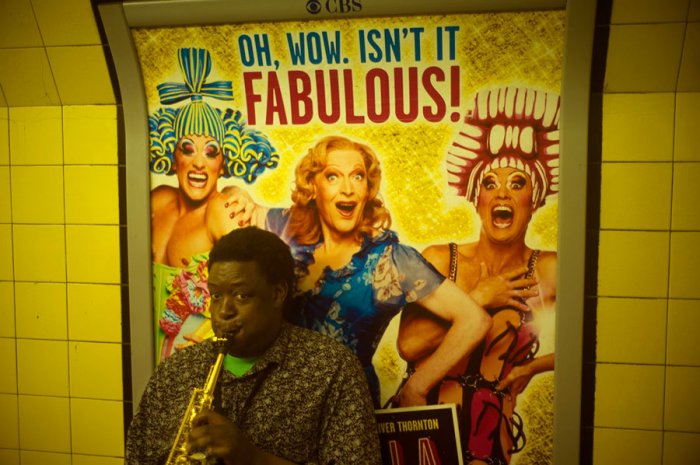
(220, 342)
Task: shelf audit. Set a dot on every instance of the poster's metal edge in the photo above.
(580, 22)
(138, 221)
(150, 13)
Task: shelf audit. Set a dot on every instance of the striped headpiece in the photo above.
(247, 152)
(196, 117)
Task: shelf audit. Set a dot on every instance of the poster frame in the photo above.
(119, 17)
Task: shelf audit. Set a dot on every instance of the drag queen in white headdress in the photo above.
(505, 160)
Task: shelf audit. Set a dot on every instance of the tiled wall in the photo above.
(60, 283)
(61, 379)
(647, 407)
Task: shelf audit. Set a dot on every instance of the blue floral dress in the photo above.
(355, 303)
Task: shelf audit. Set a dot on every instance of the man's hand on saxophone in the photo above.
(217, 436)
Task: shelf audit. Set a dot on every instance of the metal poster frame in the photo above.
(119, 17)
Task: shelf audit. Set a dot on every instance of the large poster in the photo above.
(390, 153)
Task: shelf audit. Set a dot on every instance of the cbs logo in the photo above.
(333, 6)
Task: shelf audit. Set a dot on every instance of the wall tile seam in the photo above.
(654, 23)
(63, 165)
(598, 363)
(45, 223)
(631, 428)
(72, 453)
(42, 281)
(61, 397)
(652, 297)
(47, 47)
(650, 230)
(33, 281)
(43, 339)
(649, 162)
(69, 105)
(23, 47)
(634, 297)
(654, 161)
(50, 165)
(25, 224)
(661, 364)
(649, 92)
(50, 396)
(670, 299)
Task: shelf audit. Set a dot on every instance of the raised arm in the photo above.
(468, 322)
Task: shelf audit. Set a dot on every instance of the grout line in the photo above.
(46, 54)
(14, 283)
(65, 248)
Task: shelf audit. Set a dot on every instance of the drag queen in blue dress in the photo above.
(353, 274)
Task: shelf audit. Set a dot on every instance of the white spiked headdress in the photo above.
(508, 127)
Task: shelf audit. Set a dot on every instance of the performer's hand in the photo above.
(520, 376)
(517, 380)
(217, 436)
(200, 334)
(239, 205)
(504, 290)
(190, 340)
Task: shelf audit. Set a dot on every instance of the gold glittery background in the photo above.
(495, 49)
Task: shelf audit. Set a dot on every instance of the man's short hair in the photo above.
(251, 244)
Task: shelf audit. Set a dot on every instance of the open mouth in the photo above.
(346, 209)
(197, 179)
(502, 216)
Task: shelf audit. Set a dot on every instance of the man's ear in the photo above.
(281, 290)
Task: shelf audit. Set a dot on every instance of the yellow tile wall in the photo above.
(60, 289)
(648, 296)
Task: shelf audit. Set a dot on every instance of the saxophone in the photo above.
(201, 399)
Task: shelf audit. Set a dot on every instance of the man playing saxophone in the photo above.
(286, 395)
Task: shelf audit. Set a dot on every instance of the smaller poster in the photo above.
(426, 435)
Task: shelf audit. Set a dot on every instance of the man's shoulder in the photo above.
(310, 342)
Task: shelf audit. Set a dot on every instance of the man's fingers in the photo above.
(201, 419)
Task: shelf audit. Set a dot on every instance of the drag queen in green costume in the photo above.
(198, 144)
